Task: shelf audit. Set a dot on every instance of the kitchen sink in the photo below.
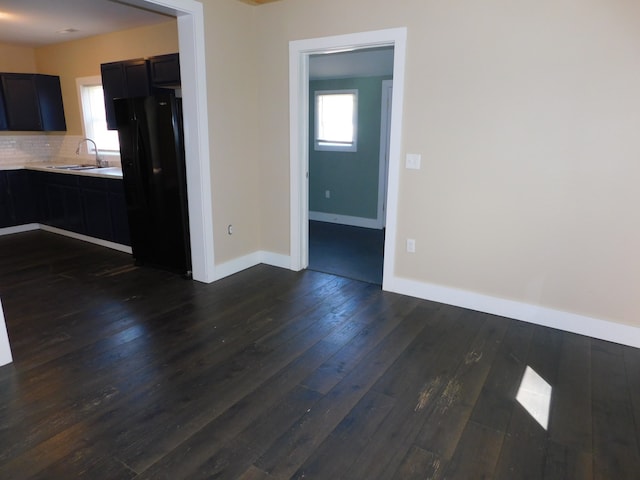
(72, 167)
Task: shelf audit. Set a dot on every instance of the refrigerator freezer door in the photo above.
(154, 180)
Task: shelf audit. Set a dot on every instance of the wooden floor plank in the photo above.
(476, 454)
(418, 465)
(632, 367)
(339, 450)
(571, 397)
(615, 447)
(567, 463)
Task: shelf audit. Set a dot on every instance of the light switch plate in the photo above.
(413, 161)
(411, 245)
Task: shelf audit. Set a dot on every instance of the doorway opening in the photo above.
(190, 18)
(349, 119)
(301, 53)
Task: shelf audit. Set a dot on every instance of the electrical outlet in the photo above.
(327, 194)
(411, 245)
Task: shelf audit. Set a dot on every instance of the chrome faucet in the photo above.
(99, 162)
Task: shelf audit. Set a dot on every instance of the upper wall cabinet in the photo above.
(31, 102)
(125, 79)
(165, 70)
(3, 111)
(137, 78)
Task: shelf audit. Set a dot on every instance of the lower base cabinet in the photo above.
(6, 217)
(17, 203)
(86, 205)
(105, 210)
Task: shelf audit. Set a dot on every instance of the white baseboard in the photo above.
(242, 263)
(85, 238)
(346, 220)
(275, 259)
(19, 229)
(570, 322)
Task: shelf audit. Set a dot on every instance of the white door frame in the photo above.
(299, 52)
(385, 130)
(191, 40)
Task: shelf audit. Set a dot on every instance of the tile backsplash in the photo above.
(25, 148)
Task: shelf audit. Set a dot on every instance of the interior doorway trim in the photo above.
(190, 19)
(299, 53)
(383, 166)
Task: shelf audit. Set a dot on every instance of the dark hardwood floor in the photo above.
(123, 372)
(351, 252)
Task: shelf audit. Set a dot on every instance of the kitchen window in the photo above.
(94, 117)
(336, 120)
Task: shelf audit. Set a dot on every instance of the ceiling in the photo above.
(36, 23)
(40, 22)
(368, 62)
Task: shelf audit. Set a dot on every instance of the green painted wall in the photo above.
(352, 177)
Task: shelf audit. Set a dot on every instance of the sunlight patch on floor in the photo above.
(534, 395)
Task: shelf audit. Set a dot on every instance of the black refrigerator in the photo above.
(154, 178)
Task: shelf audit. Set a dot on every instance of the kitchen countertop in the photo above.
(106, 172)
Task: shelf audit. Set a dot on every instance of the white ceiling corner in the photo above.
(36, 23)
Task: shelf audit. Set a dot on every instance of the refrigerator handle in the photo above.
(144, 173)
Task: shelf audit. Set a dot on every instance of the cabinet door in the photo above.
(113, 85)
(21, 102)
(23, 199)
(119, 216)
(95, 199)
(38, 181)
(3, 111)
(64, 202)
(126, 79)
(136, 74)
(6, 214)
(164, 70)
(54, 204)
(50, 101)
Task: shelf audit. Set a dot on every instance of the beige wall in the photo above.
(232, 47)
(17, 59)
(527, 118)
(82, 58)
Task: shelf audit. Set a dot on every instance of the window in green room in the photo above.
(336, 120)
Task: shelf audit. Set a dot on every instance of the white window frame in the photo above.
(320, 146)
(87, 130)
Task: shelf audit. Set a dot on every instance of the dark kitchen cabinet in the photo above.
(31, 102)
(3, 111)
(5, 201)
(21, 102)
(24, 202)
(92, 206)
(164, 70)
(18, 205)
(118, 211)
(63, 207)
(126, 79)
(50, 101)
(97, 217)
